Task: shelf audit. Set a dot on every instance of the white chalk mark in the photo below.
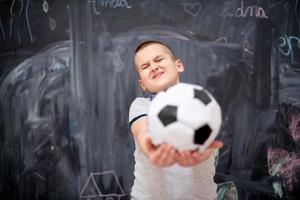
(19, 37)
(222, 40)
(11, 8)
(275, 4)
(246, 47)
(34, 172)
(100, 194)
(27, 20)
(52, 24)
(190, 32)
(2, 29)
(45, 6)
(113, 4)
(86, 184)
(22, 5)
(93, 2)
(38, 175)
(192, 8)
(248, 51)
(10, 26)
(293, 101)
(95, 184)
(296, 9)
(278, 188)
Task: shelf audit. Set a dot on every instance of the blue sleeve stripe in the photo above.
(136, 118)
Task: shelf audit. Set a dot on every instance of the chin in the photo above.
(162, 85)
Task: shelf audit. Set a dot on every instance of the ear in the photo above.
(179, 66)
(142, 85)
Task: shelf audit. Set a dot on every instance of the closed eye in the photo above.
(144, 66)
(158, 59)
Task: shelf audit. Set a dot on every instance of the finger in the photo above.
(171, 159)
(203, 156)
(155, 156)
(180, 160)
(216, 144)
(186, 159)
(192, 160)
(165, 156)
(149, 145)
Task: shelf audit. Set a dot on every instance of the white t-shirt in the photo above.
(170, 183)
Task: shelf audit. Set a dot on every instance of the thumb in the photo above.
(216, 144)
(149, 145)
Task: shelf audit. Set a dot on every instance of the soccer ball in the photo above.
(185, 116)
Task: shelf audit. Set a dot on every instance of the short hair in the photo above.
(148, 42)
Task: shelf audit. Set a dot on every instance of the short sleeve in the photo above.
(138, 108)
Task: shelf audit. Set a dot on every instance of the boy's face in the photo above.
(158, 70)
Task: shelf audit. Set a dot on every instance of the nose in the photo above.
(154, 66)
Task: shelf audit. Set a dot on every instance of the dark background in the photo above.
(67, 81)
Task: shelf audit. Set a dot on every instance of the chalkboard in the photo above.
(67, 81)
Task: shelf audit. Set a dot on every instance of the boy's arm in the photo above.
(162, 156)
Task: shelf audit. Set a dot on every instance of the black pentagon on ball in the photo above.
(168, 115)
(201, 134)
(202, 96)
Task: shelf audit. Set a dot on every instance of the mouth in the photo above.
(157, 76)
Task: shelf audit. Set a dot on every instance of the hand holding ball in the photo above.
(185, 116)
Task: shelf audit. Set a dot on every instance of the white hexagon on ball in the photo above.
(193, 113)
(174, 134)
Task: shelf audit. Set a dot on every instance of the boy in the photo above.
(160, 171)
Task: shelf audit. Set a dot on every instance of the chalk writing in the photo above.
(16, 15)
(293, 101)
(97, 4)
(2, 30)
(286, 46)
(222, 40)
(19, 37)
(284, 164)
(227, 190)
(28, 24)
(278, 188)
(192, 8)
(297, 7)
(22, 5)
(45, 6)
(274, 168)
(91, 184)
(12, 17)
(27, 171)
(248, 11)
(294, 127)
(11, 8)
(10, 26)
(226, 11)
(38, 175)
(52, 24)
(246, 48)
(273, 3)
